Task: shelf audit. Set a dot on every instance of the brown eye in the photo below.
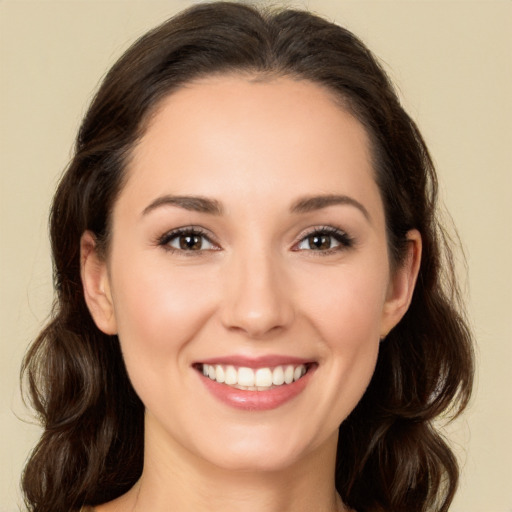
(186, 240)
(320, 242)
(191, 242)
(325, 240)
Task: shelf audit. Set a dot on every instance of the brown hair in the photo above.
(390, 456)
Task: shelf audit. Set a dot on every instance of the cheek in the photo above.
(158, 312)
(346, 310)
(351, 336)
(157, 309)
(346, 306)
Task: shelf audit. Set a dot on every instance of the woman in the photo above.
(256, 309)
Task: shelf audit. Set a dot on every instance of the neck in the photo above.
(176, 479)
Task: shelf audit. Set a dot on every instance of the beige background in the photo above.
(452, 63)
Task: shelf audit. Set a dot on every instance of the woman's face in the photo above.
(248, 244)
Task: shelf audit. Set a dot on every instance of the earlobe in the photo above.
(402, 283)
(96, 285)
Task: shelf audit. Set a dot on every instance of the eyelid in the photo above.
(163, 240)
(340, 235)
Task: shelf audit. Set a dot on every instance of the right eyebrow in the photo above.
(192, 203)
(312, 203)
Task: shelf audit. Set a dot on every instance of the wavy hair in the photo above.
(390, 455)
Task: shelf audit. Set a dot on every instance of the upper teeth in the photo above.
(254, 379)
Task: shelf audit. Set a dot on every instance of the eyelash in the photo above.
(165, 240)
(345, 241)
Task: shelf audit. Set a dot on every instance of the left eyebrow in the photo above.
(312, 203)
(191, 203)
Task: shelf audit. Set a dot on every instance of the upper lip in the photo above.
(266, 361)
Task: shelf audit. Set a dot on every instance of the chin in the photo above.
(255, 462)
(265, 453)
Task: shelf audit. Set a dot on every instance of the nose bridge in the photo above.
(256, 300)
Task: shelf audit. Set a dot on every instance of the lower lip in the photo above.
(257, 400)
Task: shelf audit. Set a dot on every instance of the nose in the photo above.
(257, 298)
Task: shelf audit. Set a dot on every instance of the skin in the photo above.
(257, 286)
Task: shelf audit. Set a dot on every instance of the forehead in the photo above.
(226, 135)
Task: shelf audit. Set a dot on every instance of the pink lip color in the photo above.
(257, 400)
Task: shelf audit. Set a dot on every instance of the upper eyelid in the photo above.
(171, 233)
(344, 238)
(332, 230)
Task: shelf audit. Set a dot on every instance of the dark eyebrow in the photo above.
(192, 203)
(309, 204)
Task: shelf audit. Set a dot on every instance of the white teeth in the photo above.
(231, 376)
(297, 373)
(288, 374)
(278, 376)
(263, 377)
(219, 372)
(245, 376)
(260, 379)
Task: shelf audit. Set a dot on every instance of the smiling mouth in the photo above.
(254, 379)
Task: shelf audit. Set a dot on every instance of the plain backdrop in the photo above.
(450, 60)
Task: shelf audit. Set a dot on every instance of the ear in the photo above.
(96, 285)
(401, 285)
